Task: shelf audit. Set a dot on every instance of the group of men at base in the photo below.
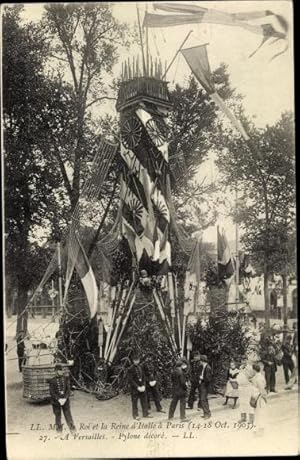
(143, 384)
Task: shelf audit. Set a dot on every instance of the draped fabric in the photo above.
(225, 261)
(145, 212)
(194, 14)
(87, 278)
(90, 192)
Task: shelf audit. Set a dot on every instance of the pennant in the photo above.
(236, 123)
(194, 14)
(87, 278)
(225, 262)
(197, 59)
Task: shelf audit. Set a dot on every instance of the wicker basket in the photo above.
(36, 382)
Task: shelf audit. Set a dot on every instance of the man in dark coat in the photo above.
(152, 384)
(205, 379)
(21, 350)
(60, 393)
(179, 390)
(196, 368)
(270, 368)
(137, 382)
(287, 361)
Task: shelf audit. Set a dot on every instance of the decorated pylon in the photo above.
(143, 103)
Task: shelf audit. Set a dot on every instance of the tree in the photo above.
(265, 177)
(222, 339)
(84, 40)
(30, 178)
(191, 125)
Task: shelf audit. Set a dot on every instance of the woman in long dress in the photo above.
(245, 389)
(260, 394)
(231, 390)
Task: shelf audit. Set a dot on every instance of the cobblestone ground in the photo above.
(105, 427)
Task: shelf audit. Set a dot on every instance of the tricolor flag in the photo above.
(145, 212)
(194, 14)
(225, 261)
(194, 268)
(87, 278)
(164, 254)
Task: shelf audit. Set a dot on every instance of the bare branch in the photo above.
(59, 58)
(98, 99)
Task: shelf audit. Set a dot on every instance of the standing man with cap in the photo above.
(179, 389)
(21, 349)
(137, 383)
(60, 393)
(196, 368)
(151, 384)
(205, 379)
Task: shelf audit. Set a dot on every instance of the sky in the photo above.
(267, 86)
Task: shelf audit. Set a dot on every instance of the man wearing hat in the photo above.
(179, 389)
(21, 349)
(60, 393)
(151, 383)
(196, 368)
(137, 382)
(205, 379)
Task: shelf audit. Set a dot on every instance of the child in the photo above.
(232, 385)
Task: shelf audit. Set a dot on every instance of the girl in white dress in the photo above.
(259, 393)
(232, 385)
(245, 391)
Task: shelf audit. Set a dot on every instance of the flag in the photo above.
(192, 278)
(164, 253)
(225, 262)
(197, 60)
(194, 14)
(87, 278)
(194, 268)
(145, 212)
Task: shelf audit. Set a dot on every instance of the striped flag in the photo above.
(225, 261)
(87, 278)
(194, 14)
(145, 215)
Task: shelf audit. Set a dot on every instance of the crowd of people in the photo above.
(247, 383)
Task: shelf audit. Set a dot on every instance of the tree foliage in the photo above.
(222, 339)
(84, 41)
(30, 176)
(265, 177)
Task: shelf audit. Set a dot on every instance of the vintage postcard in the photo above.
(150, 229)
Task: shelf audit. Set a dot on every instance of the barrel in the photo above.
(36, 382)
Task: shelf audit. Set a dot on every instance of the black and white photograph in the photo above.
(149, 229)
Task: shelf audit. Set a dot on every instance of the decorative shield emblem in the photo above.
(131, 132)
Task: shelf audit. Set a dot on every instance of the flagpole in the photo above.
(177, 52)
(141, 40)
(237, 262)
(147, 45)
(218, 272)
(59, 275)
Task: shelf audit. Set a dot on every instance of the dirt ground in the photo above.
(24, 418)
